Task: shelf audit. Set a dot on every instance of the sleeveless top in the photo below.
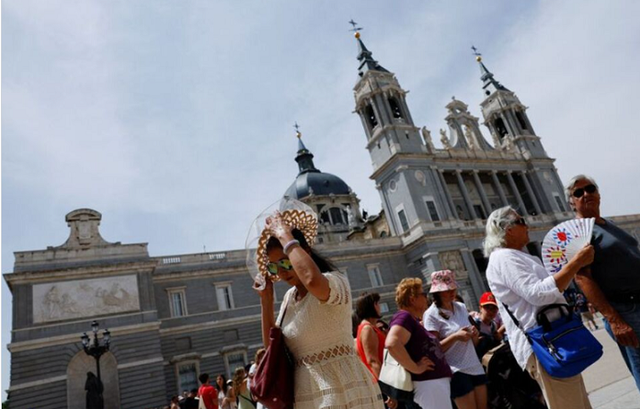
(381, 338)
(328, 372)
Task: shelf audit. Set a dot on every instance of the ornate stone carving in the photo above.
(444, 139)
(508, 144)
(419, 175)
(84, 229)
(452, 260)
(350, 217)
(468, 134)
(84, 298)
(426, 134)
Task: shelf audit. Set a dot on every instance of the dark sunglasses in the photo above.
(521, 221)
(285, 264)
(580, 192)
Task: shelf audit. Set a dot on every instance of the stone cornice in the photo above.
(75, 338)
(31, 277)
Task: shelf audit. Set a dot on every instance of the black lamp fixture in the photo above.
(96, 348)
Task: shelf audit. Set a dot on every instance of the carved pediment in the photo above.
(84, 229)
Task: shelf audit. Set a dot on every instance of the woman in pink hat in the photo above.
(449, 321)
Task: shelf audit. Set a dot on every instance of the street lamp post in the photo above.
(96, 348)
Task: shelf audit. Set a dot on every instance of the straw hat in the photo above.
(294, 213)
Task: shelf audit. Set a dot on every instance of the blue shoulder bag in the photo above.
(564, 347)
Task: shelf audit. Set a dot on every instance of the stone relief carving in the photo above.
(85, 298)
(452, 260)
(420, 177)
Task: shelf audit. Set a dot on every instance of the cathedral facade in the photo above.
(176, 316)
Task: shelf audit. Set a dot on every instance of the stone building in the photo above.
(176, 316)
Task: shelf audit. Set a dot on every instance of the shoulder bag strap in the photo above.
(514, 319)
(286, 305)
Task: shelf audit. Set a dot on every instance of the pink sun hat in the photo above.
(443, 280)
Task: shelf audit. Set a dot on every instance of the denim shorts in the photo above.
(462, 383)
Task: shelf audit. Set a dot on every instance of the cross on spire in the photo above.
(475, 51)
(355, 28)
(298, 134)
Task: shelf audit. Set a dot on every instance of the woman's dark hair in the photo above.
(436, 299)
(224, 383)
(438, 302)
(322, 262)
(355, 322)
(366, 306)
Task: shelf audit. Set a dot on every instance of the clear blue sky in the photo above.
(174, 119)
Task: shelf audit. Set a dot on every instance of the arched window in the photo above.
(336, 215)
(370, 116)
(500, 128)
(324, 216)
(521, 120)
(396, 111)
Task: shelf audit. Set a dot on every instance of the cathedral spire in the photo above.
(367, 63)
(487, 76)
(304, 156)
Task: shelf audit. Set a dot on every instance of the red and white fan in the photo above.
(564, 241)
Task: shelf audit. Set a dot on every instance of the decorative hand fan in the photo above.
(564, 241)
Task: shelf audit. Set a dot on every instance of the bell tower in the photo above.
(401, 155)
(506, 116)
(382, 107)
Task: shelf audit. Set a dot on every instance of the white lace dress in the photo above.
(328, 372)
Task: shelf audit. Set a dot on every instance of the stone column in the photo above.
(498, 186)
(365, 125)
(384, 104)
(379, 117)
(452, 206)
(514, 188)
(483, 194)
(442, 195)
(474, 274)
(532, 194)
(465, 195)
(403, 102)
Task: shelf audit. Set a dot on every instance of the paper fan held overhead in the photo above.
(563, 242)
(296, 214)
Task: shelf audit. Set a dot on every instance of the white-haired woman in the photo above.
(519, 281)
(611, 283)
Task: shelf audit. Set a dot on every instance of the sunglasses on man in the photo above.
(285, 264)
(578, 193)
(521, 221)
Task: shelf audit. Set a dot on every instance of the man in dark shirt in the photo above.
(190, 402)
(612, 282)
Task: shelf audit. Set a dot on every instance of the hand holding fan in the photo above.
(564, 241)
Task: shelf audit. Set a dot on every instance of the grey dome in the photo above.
(321, 184)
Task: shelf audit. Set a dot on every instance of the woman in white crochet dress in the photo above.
(317, 323)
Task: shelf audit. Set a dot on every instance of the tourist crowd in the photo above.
(434, 353)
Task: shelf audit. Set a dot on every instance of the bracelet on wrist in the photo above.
(287, 247)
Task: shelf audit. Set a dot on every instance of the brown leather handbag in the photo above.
(272, 384)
